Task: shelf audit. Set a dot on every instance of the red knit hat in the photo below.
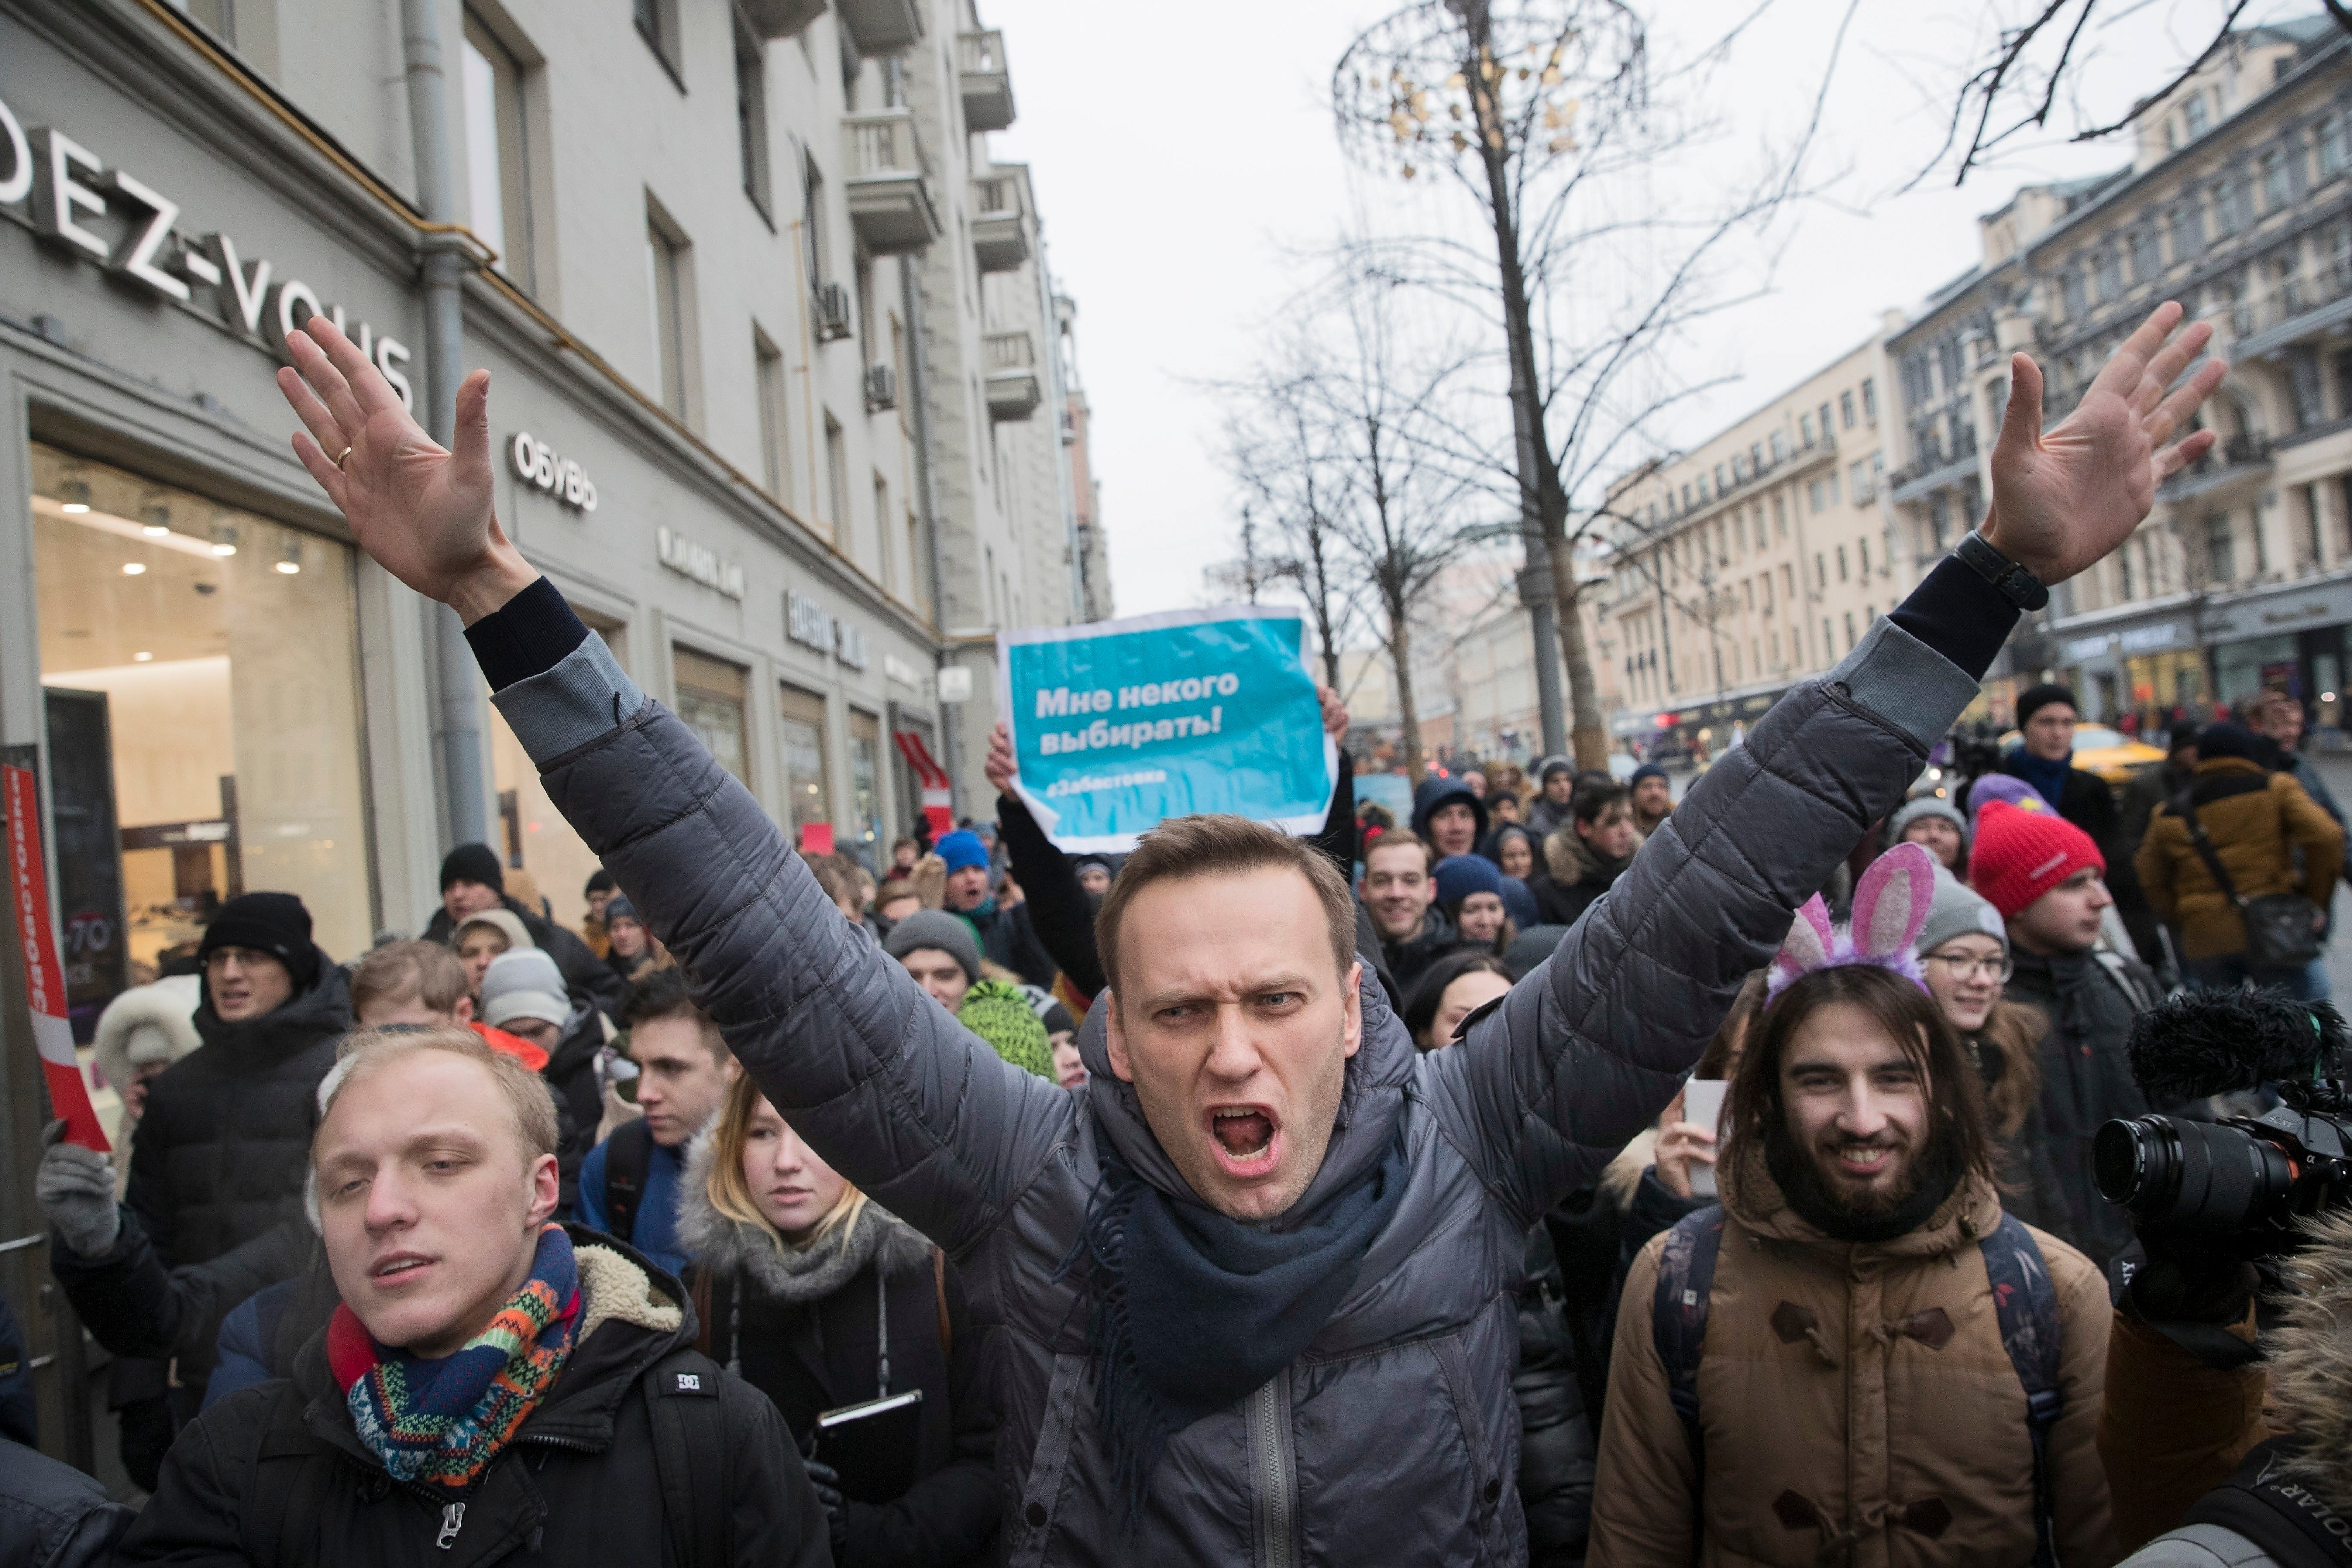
(2018, 856)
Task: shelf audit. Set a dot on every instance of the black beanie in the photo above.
(2038, 697)
(274, 923)
(473, 863)
(2228, 740)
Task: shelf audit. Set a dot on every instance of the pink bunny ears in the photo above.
(1890, 909)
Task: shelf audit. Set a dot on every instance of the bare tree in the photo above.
(1549, 114)
(2033, 68)
(1282, 451)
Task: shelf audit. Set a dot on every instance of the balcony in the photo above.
(987, 84)
(881, 27)
(2295, 308)
(2234, 457)
(780, 19)
(889, 199)
(1014, 392)
(1000, 232)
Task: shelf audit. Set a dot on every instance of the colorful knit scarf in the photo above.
(444, 1421)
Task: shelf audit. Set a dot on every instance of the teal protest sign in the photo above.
(1120, 725)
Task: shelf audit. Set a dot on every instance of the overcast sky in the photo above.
(1185, 158)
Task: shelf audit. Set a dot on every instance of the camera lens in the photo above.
(2190, 1175)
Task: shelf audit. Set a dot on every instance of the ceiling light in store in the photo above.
(135, 568)
(224, 539)
(73, 497)
(155, 519)
(291, 561)
(141, 657)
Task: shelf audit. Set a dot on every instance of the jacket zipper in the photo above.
(453, 1520)
(1273, 1469)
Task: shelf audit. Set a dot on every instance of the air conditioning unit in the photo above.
(881, 388)
(833, 312)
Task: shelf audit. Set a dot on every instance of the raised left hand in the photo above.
(1000, 766)
(1335, 713)
(2068, 498)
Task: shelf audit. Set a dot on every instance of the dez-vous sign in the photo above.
(70, 186)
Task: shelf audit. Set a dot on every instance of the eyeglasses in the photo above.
(1968, 966)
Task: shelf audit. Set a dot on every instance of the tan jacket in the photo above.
(2254, 834)
(1855, 1402)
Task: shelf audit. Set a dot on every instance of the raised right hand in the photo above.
(1000, 765)
(75, 1187)
(423, 513)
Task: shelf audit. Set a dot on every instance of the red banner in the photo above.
(28, 890)
(939, 799)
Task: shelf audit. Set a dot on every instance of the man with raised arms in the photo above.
(1252, 1296)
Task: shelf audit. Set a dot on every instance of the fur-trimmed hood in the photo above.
(731, 1247)
(155, 1023)
(1570, 861)
(2311, 1362)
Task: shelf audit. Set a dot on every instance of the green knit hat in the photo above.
(998, 1013)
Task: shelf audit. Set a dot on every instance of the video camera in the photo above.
(2246, 1177)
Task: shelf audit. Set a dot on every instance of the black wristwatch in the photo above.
(2012, 582)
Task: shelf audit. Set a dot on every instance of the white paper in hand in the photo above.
(1703, 1106)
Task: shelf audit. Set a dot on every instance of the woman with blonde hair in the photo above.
(822, 1299)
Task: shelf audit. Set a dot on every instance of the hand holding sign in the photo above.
(1115, 727)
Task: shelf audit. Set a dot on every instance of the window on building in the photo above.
(1841, 561)
(1870, 399)
(1824, 412)
(807, 797)
(2329, 136)
(2147, 259)
(202, 713)
(2225, 208)
(866, 784)
(1939, 518)
(882, 532)
(2187, 222)
(837, 479)
(2193, 113)
(814, 233)
(1779, 517)
(711, 701)
(917, 577)
(1829, 641)
(2071, 294)
(2276, 194)
(1805, 428)
(775, 431)
(2109, 271)
(1820, 570)
(498, 155)
(1719, 485)
(1813, 495)
(1788, 584)
(2221, 555)
(751, 118)
(1858, 477)
(1848, 618)
(1779, 446)
(668, 285)
(1863, 548)
(658, 26)
(1845, 410)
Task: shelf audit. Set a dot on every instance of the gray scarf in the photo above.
(789, 1273)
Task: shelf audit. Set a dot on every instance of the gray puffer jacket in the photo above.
(1393, 1437)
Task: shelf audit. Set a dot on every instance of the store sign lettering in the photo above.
(535, 463)
(2146, 639)
(2086, 648)
(688, 558)
(808, 623)
(71, 186)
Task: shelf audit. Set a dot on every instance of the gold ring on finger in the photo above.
(341, 456)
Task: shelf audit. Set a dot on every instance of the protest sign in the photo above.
(1118, 725)
(44, 985)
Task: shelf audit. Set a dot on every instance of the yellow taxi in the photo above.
(2115, 756)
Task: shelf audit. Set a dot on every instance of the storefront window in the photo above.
(803, 732)
(200, 665)
(710, 701)
(866, 784)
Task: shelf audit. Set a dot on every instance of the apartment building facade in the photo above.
(2236, 202)
(1756, 559)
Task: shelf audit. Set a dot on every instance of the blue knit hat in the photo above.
(1459, 876)
(962, 850)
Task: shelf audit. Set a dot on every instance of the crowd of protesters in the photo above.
(1517, 1182)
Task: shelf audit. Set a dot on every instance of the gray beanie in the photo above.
(939, 929)
(1925, 805)
(1958, 911)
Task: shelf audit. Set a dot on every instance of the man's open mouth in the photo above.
(1245, 1136)
(397, 1267)
(1864, 1159)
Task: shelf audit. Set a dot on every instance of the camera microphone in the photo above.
(2204, 1043)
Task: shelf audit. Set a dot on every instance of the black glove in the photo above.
(825, 1481)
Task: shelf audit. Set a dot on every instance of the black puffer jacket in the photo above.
(2086, 1080)
(1410, 959)
(1557, 1438)
(815, 1356)
(53, 1516)
(1390, 1439)
(220, 1154)
(580, 968)
(135, 1306)
(578, 1483)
